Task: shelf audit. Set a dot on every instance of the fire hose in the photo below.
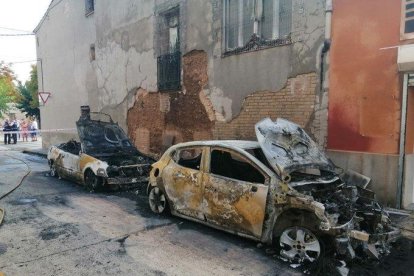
(2, 211)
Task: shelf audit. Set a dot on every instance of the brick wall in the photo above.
(295, 102)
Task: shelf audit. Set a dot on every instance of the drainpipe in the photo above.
(327, 42)
(403, 128)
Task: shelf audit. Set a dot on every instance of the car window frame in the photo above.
(243, 155)
(202, 162)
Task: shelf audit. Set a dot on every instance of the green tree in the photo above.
(8, 91)
(28, 101)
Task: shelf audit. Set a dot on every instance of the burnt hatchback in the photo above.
(280, 190)
(104, 157)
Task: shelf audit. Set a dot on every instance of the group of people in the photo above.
(19, 129)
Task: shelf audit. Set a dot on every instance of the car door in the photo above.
(235, 192)
(183, 184)
(70, 164)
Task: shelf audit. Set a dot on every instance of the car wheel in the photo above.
(93, 183)
(158, 201)
(299, 244)
(53, 172)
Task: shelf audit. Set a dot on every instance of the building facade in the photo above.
(179, 70)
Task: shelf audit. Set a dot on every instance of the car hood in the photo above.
(288, 148)
(103, 137)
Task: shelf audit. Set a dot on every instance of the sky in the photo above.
(20, 15)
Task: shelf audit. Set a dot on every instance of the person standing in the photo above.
(6, 129)
(25, 128)
(34, 129)
(14, 128)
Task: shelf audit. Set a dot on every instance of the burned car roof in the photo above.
(287, 147)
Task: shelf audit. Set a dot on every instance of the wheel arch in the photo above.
(295, 216)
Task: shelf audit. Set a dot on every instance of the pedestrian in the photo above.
(6, 129)
(33, 129)
(18, 122)
(14, 128)
(25, 130)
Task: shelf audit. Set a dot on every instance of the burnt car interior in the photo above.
(190, 158)
(230, 165)
(72, 147)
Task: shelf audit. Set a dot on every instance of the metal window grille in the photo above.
(169, 71)
(89, 6)
(169, 60)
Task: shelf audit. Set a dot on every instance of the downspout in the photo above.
(403, 129)
(327, 41)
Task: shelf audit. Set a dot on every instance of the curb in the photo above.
(41, 154)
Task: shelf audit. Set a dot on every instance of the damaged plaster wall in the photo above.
(122, 80)
(235, 77)
(63, 40)
(124, 55)
(159, 120)
(127, 63)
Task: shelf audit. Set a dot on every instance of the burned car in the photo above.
(281, 190)
(104, 157)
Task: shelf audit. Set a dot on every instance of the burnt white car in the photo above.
(104, 157)
(281, 190)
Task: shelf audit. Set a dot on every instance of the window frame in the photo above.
(176, 151)
(256, 34)
(240, 154)
(403, 34)
(89, 7)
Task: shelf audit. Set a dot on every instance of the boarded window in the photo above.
(407, 24)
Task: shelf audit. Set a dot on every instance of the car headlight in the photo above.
(101, 172)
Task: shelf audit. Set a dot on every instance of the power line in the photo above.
(26, 61)
(15, 30)
(16, 34)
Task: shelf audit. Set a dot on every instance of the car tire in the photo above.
(299, 244)
(158, 201)
(93, 183)
(53, 172)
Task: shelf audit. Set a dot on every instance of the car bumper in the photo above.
(126, 180)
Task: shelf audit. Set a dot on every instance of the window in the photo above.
(89, 7)
(232, 165)
(407, 24)
(259, 21)
(189, 158)
(169, 60)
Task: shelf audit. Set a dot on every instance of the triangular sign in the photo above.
(44, 96)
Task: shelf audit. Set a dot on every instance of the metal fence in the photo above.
(169, 71)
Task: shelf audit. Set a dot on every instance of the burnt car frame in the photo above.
(279, 190)
(105, 157)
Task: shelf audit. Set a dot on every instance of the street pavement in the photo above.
(55, 227)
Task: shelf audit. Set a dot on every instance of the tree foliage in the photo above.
(29, 101)
(8, 91)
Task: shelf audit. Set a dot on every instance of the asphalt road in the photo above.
(55, 227)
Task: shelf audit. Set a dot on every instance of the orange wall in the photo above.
(364, 94)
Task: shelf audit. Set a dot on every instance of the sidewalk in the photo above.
(26, 147)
